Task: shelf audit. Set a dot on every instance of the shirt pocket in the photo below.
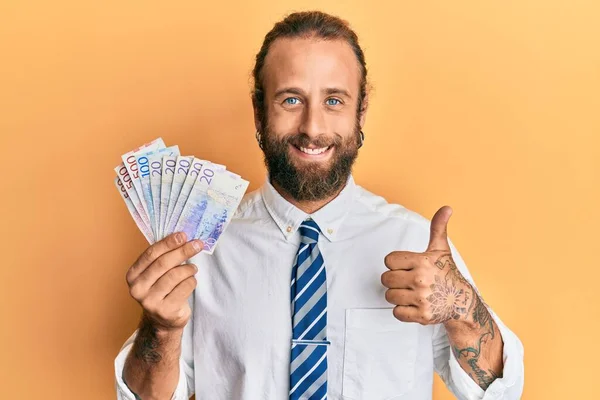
(379, 355)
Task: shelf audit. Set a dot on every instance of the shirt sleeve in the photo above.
(185, 387)
(509, 387)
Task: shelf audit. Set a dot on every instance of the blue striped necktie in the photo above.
(308, 368)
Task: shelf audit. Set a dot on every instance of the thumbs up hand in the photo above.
(427, 287)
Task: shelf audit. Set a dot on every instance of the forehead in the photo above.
(311, 63)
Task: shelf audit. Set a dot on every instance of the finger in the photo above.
(182, 291)
(167, 261)
(398, 279)
(173, 277)
(438, 239)
(401, 297)
(405, 260)
(409, 314)
(152, 253)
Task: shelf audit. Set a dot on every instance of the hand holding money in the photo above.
(161, 283)
(166, 193)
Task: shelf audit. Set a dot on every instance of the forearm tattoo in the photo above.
(145, 348)
(472, 354)
(453, 297)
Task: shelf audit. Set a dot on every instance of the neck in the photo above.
(308, 206)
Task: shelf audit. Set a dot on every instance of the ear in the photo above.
(257, 123)
(362, 113)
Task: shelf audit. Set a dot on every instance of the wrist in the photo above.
(157, 336)
(154, 342)
(460, 325)
(153, 328)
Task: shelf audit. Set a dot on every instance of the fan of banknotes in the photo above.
(166, 192)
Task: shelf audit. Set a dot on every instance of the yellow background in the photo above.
(490, 107)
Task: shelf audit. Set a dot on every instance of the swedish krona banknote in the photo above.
(166, 192)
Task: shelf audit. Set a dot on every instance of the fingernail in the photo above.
(197, 245)
(179, 238)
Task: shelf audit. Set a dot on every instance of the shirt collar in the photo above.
(288, 217)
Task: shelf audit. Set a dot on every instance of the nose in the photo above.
(313, 122)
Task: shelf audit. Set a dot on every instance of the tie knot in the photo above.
(309, 231)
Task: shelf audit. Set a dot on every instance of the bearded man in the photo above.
(318, 289)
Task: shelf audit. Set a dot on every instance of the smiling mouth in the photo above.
(313, 151)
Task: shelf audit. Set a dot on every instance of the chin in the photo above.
(320, 167)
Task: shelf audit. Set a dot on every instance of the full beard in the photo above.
(311, 180)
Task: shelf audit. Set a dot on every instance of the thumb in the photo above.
(438, 239)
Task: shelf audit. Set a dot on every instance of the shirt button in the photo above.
(289, 229)
(330, 231)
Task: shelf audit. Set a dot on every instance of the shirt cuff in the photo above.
(123, 391)
(501, 388)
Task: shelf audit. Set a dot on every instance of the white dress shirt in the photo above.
(237, 343)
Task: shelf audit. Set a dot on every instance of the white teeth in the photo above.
(313, 151)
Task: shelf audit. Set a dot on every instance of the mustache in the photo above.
(303, 140)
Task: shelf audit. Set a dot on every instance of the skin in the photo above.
(311, 87)
(161, 285)
(427, 288)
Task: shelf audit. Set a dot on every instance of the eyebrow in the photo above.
(327, 91)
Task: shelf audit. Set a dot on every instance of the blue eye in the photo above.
(291, 100)
(333, 104)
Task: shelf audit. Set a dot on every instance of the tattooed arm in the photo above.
(449, 300)
(152, 367)
(428, 288)
(162, 283)
(476, 341)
